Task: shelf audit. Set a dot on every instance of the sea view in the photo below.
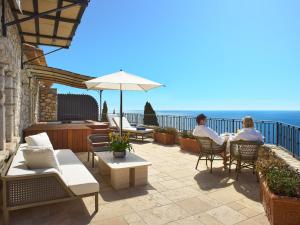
(289, 117)
(101, 103)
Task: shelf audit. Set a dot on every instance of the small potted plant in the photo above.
(119, 145)
(165, 136)
(188, 142)
(280, 190)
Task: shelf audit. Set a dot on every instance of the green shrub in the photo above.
(283, 181)
(187, 134)
(268, 161)
(280, 177)
(166, 130)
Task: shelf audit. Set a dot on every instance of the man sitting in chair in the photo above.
(203, 131)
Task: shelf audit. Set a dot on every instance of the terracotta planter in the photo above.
(190, 145)
(280, 210)
(165, 139)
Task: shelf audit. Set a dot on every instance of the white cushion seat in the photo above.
(72, 172)
(75, 174)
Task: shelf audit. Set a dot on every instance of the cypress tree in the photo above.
(150, 115)
(104, 112)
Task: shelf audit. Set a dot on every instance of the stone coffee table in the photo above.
(131, 170)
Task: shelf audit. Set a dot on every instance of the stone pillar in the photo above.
(15, 96)
(9, 106)
(2, 106)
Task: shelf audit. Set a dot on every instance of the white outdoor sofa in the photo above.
(128, 128)
(24, 188)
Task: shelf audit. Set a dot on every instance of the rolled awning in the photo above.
(59, 76)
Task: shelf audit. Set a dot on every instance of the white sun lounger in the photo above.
(128, 128)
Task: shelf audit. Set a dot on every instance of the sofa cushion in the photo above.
(40, 139)
(75, 174)
(18, 166)
(37, 157)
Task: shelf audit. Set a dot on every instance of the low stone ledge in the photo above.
(285, 155)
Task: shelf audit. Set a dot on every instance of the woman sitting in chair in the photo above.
(248, 133)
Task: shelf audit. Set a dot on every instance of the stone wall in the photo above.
(18, 90)
(47, 103)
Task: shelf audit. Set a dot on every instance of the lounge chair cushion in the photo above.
(75, 174)
(40, 158)
(134, 130)
(110, 120)
(40, 139)
(125, 124)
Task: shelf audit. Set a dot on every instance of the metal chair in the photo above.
(211, 150)
(245, 153)
(97, 143)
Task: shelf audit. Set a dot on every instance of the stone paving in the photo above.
(177, 194)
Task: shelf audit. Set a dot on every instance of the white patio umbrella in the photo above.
(124, 82)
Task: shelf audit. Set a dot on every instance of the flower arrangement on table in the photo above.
(119, 144)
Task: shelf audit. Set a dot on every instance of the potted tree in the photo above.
(280, 190)
(165, 136)
(119, 145)
(188, 142)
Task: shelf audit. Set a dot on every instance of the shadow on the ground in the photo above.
(247, 184)
(69, 212)
(217, 179)
(135, 191)
(141, 141)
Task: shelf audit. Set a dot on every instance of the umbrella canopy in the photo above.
(121, 81)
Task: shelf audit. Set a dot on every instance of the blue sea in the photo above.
(289, 117)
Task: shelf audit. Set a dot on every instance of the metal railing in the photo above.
(277, 133)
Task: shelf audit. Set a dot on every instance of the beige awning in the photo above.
(59, 76)
(48, 22)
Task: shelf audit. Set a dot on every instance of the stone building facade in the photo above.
(47, 103)
(18, 89)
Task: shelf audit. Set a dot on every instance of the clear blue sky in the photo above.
(211, 54)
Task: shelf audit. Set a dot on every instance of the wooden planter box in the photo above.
(280, 210)
(165, 139)
(190, 145)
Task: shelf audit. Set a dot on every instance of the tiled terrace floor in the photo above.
(177, 194)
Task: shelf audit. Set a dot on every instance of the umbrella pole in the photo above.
(121, 112)
(100, 103)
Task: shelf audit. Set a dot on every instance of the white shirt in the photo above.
(203, 131)
(247, 134)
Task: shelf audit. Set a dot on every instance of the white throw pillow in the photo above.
(40, 139)
(37, 157)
